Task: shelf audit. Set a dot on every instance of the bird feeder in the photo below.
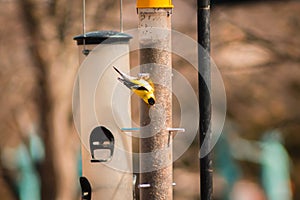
(99, 113)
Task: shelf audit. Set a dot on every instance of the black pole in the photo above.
(204, 78)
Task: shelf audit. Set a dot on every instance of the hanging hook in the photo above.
(121, 16)
(84, 51)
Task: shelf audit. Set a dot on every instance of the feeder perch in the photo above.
(86, 189)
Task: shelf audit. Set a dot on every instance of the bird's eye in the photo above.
(151, 101)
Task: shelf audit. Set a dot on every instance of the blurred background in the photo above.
(255, 44)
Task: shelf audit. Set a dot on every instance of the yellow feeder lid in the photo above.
(154, 4)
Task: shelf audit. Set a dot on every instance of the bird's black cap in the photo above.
(151, 101)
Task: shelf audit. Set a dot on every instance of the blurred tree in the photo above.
(37, 48)
(49, 27)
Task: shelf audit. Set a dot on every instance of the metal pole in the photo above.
(204, 79)
(155, 59)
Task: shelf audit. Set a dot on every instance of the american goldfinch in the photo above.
(144, 88)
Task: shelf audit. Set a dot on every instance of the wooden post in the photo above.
(156, 168)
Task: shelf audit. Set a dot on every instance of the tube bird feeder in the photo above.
(106, 158)
(156, 177)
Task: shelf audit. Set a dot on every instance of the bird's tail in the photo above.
(121, 80)
(125, 79)
(119, 72)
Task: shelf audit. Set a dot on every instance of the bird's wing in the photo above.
(151, 83)
(123, 75)
(139, 84)
(127, 83)
(135, 83)
(141, 88)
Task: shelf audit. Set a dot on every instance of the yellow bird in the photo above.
(144, 88)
